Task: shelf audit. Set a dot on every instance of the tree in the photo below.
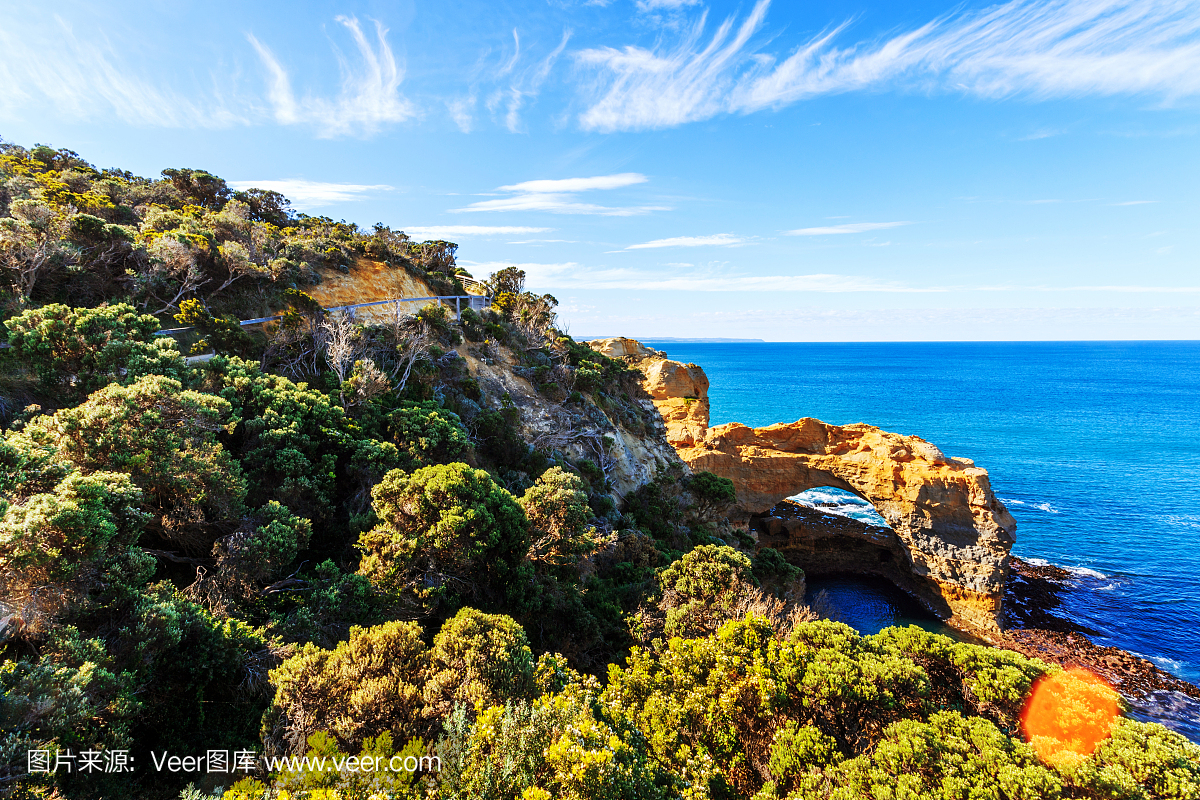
(267, 206)
(479, 659)
(165, 438)
(58, 547)
(364, 687)
(202, 188)
(699, 592)
(559, 518)
(30, 241)
(446, 532)
(946, 758)
(713, 494)
(427, 433)
(78, 350)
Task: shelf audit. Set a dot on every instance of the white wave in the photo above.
(1082, 572)
(841, 503)
(1169, 664)
(1049, 509)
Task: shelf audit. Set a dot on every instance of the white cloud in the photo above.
(558, 196)
(85, 77)
(716, 240)
(577, 184)
(572, 275)
(307, 195)
(852, 227)
(472, 230)
(370, 95)
(1041, 49)
(665, 5)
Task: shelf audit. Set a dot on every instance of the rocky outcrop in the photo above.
(628, 459)
(620, 347)
(950, 537)
(678, 391)
(955, 535)
(366, 282)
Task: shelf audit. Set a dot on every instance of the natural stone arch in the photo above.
(953, 532)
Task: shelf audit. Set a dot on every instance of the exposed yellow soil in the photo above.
(366, 282)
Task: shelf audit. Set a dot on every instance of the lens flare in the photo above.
(1068, 714)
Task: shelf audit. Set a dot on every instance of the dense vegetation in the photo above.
(331, 540)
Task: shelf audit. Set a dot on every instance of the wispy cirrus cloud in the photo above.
(571, 275)
(715, 240)
(471, 230)
(85, 77)
(516, 82)
(370, 95)
(851, 227)
(307, 195)
(1041, 49)
(558, 196)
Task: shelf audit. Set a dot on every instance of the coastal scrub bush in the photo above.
(78, 350)
(447, 533)
(58, 547)
(165, 439)
(712, 493)
(293, 443)
(698, 593)
(559, 519)
(480, 660)
(556, 746)
(366, 686)
(947, 758)
(427, 434)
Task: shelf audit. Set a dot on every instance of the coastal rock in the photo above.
(678, 391)
(620, 347)
(949, 537)
(954, 533)
(629, 459)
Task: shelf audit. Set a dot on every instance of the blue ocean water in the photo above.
(1093, 446)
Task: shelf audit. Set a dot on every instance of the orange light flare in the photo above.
(1068, 714)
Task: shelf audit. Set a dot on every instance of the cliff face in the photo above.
(629, 459)
(366, 282)
(955, 534)
(679, 391)
(950, 538)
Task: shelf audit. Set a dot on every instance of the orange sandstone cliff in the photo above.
(950, 537)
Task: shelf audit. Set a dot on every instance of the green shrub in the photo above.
(479, 659)
(362, 688)
(78, 350)
(427, 433)
(447, 533)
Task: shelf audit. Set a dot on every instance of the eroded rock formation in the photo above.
(950, 536)
(679, 391)
(955, 533)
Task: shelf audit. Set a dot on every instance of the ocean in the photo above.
(1094, 448)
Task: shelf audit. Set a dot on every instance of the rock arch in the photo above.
(953, 534)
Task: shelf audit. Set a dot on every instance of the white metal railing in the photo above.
(473, 301)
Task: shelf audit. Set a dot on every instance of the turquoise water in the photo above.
(1093, 446)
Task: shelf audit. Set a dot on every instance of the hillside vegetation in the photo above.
(332, 540)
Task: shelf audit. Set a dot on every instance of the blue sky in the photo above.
(785, 171)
